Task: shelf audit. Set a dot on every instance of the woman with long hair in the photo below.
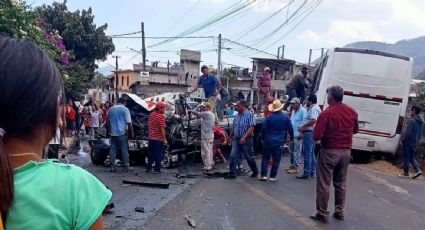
(37, 193)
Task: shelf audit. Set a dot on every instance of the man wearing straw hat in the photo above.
(274, 130)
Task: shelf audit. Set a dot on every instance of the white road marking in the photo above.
(379, 180)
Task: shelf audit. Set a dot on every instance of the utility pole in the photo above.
(143, 47)
(283, 51)
(278, 52)
(309, 57)
(321, 55)
(116, 77)
(219, 55)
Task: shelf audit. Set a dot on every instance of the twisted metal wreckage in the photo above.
(182, 132)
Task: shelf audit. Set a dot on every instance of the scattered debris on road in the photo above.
(184, 175)
(139, 209)
(190, 221)
(147, 184)
(109, 207)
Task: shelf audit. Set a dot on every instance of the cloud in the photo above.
(410, 11)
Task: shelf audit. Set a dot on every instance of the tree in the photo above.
(87, 42)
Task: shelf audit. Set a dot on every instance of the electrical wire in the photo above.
(257, 25)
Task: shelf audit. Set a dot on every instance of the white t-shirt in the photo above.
(95, 118)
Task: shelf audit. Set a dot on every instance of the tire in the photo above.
(98, 156)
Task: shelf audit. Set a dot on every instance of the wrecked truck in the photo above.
(182, 131)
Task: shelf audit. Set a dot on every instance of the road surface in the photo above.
(375, 200)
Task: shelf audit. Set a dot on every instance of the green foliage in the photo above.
(18, 20)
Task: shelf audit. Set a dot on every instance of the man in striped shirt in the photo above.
(242, 140)
(157, 138)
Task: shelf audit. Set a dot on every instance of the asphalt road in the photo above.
(375, 200)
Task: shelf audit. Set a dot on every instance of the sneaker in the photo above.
(292, 171)
(290, 168)
(273, 179)
(263, 178)
(303, 177)
(254, 174)
(417, 174)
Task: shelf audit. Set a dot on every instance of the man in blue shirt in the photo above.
(242, 140)
(275, 128)
(211, 86)
(298, 116)
(119, 121)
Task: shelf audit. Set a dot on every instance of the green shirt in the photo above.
(52, 195)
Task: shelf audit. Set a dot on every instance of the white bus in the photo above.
(376, 84)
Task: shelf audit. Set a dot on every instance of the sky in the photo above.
(300, 25)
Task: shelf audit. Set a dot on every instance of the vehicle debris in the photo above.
(139, 209)
(147, 184)
(190, 221)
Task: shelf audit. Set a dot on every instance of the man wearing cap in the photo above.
(313, 111)
(207, 134)
(211, 86)
(298, 115)
(157, 138)
(242, 140)
(295, 87)
(264, 88)
(274, 130)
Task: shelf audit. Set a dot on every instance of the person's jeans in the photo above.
(156, 150)
(220, 106)
(308, 152)
(245, 150)
(295, 152)
(119, 144)
(275, 152)
(409, 157)
(291, 94)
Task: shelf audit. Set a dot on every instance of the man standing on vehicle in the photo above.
(412, 136)
(242, 140)
(157, 139)
(308, 143)
(298, 116)
(264, 88)
(207, 134)
(334, 128)
(119, 121)
(211, 86)
(295, 88)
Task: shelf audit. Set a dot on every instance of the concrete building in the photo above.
(176, 77)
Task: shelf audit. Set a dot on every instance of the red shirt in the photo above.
(220, 136)
(335, 127)
(156, 121)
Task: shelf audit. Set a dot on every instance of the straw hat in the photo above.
(206, 104)
(276, 106)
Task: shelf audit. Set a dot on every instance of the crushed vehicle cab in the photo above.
(182, 132)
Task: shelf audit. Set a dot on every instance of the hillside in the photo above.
(411, 47)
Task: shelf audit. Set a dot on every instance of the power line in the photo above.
(166, 37)
(210, 21)
(117, 35)
(248, 47)
(256, 26)
(296, 25)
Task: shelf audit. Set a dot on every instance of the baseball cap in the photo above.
(295, 100)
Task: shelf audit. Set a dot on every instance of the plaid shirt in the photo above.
(242, 123)
(312, 114)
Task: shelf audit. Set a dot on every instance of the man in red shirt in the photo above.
(157, 138)
(220, 139)
(334, 128)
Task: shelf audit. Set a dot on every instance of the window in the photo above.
(122, 80)
(128, 80)
(317, 76)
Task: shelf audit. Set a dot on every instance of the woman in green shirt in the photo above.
(35, 193)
